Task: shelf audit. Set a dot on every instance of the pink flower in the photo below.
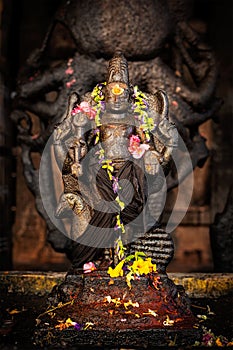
(85, 108)
(139, 151)
(76, 110)
(88, 267)
(70, 83)
(69, 61)
(69, 70)
(135, 148)
(134, 140)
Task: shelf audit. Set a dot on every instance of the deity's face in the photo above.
(117, 97)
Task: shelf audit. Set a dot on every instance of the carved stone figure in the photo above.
(129, 138)
(123, 261)
(164, 52)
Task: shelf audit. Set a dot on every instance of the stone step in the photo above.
(196, 285)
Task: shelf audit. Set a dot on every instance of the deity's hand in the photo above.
(69, 135)
(65, 128)
(165, 136)
(63, 132)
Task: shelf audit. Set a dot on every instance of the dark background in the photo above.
(23, 243)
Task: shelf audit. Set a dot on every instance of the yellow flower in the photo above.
(69, 321)
(151, 265)
(121, 204)
(141, 266)
(117, 271)
(129, 277)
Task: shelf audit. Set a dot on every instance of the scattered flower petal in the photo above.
(151, 312)
(88, 325)
(130, 303)
(218, 342)
(203, 317)
(14, 311)
(78, 326)
(168, 322)
(107, 298)
(89, 267)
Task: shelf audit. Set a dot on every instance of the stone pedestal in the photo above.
(104, 311)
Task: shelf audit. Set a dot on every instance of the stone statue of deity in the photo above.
(115, 147)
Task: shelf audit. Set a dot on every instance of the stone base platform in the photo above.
(128, 339)
(27, 323)
(95, 309)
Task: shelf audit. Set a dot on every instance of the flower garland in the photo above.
(109, 166)
(140, 109)
(98, 97)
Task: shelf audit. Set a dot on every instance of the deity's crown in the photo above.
(118, 69)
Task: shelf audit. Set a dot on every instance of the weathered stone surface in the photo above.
(115, 313)
(29, 282)
(197, 285)
(141, 339)
(202, 285)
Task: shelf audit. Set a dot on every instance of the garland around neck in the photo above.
(139, 106)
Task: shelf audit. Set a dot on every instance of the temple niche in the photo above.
(31, 250)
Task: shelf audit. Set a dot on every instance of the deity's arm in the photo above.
(64, 131)
(164, 135)
(69, 136)
(70, 147)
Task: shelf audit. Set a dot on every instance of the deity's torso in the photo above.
(114, 137)
(115, 132)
